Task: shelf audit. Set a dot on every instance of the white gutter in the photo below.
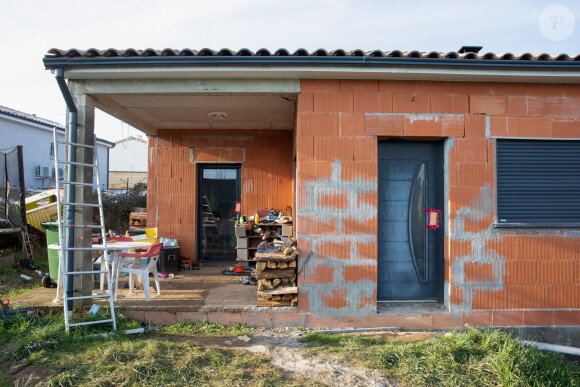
(268, 71)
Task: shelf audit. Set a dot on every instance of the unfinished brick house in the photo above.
(360, 144)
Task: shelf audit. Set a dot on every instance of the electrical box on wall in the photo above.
(46, 172)
(60, 173)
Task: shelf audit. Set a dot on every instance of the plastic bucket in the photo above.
(52, 238)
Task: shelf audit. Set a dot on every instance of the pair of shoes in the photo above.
(253, 281)
(245, 280)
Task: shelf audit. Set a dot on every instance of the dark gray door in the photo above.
(410, 255)
(219, 189)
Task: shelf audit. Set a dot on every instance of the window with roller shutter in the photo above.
(538, 183)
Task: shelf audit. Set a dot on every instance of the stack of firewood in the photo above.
(138, 219)
(276, 276)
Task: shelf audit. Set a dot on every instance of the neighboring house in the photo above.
(35, 134)
(128, 163)
(360, 144)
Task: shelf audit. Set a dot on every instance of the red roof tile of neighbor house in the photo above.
(149, 52)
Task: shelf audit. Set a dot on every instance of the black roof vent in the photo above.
(466, 49)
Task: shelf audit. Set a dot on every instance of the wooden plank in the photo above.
(275, 257)
(138, 216)
(280, 290)
(274, 303)
(276, 273)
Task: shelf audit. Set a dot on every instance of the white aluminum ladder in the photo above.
(64, 275)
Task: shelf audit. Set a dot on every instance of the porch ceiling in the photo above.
(151, 112)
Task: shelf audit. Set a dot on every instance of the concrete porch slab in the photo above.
(187, 291)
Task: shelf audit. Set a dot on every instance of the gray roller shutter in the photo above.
(538, 183)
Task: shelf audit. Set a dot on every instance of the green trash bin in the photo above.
(52, 238)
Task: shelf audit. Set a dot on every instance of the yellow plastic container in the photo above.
(42, 199)
(151, 232)
(149, 236)
(41, 207)
(41, 214)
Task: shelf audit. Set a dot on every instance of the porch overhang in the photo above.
(159, 104)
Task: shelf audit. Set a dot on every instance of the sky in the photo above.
(28, 29)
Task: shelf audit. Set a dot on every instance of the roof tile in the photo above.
(130, 52)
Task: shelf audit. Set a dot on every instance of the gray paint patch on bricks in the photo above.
(313, 208)
(487, 126)
(479, 209)
(447, 146)
(417, 116)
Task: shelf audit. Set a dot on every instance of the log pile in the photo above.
(138, 220)
(276, 276)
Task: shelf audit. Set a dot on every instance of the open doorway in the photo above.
(219, 188)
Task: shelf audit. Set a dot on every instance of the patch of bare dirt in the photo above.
(24, 374)
(285, 352)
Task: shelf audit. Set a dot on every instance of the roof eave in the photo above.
(317, 67)
(66, 62)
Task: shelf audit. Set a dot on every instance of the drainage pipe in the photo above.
(72, 113)
(552, 347)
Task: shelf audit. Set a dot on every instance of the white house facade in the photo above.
(35, 134)
(128, 163)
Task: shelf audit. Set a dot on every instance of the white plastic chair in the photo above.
(143, 270)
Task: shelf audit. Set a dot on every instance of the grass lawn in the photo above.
(156, 359)
(476, 358)
(177, 355)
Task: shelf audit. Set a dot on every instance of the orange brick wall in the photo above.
(486, 269)
(266, 157)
